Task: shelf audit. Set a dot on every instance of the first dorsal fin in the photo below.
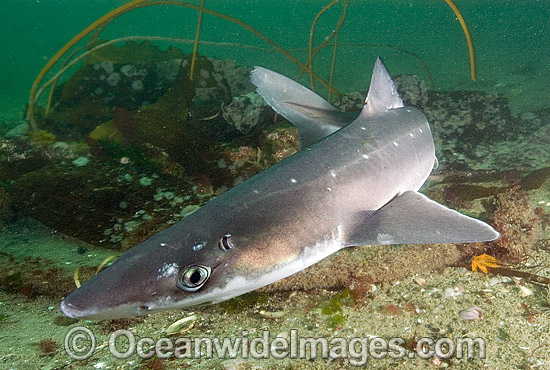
(382, 95)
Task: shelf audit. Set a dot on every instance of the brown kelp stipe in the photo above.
(468, 38)
(196, 43)
(335, 46)
(105, 19)
(309, 63)
(50, 96)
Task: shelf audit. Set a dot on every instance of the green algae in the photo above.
(334, 308)
(41, 137)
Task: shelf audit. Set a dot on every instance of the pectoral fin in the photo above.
(412, 218)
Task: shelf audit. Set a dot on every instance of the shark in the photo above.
(355, 182)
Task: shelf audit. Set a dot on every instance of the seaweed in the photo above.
(41, 137)
(47, 346)
(334, 308)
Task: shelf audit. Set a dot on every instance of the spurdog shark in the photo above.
(352, 184)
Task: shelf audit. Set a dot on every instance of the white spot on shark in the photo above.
(411, 134)
(395, 143)
(168, 270)
(332, 173)
(329, 189)
(363, 128)
(385, 238)
(366, 156)
(293, 181)
(198, 246)
(163, 244)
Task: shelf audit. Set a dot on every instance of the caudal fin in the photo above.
(314, 117)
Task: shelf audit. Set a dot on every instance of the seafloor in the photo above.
(98, 176)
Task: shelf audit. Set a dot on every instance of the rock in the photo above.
(18, 131)
(412, 90)
(245, 112)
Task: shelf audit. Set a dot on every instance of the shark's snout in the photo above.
(77, 306)
(80, 304)
(68, 308)
(106, 295)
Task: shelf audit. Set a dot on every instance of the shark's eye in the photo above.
(193, 278)
(225, 243)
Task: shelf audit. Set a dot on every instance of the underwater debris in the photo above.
(473, 313)
(47, 346)
(182, 325)
(272, 315)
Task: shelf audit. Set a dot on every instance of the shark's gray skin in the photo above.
(357, 186)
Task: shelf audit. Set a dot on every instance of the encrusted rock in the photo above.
(412, 90)
(244, 112)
